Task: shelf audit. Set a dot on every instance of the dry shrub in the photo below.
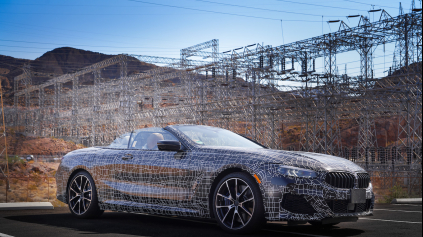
(36, 178)
(12, 197)
(21, 199)
(36, 187)
(39, 199)
(395, 192)
(57, 203)
(32, 187)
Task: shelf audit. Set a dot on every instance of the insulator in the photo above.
(304, 66)
(261, 61)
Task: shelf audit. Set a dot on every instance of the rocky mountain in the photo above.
(9, 68)
(58, 62)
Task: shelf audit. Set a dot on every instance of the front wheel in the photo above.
(238, 204)
(82, 196)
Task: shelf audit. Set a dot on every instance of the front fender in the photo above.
(70, 165)
(207, 182)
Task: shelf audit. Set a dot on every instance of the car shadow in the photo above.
(156, 226)
(312, 230)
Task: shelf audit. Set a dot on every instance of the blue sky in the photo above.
(29, 28)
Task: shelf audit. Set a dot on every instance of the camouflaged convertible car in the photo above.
(208, 172)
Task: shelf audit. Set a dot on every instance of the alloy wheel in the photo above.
(235, 203)
(80, 194)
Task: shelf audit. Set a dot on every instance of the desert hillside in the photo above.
(20, 144)
(386, 133)
(58, 62)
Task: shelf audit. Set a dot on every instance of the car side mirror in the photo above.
(169, 145)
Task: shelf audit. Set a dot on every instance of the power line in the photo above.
(94, 53)
(357, 61)
(86, 14)
(94, 46)
(41, 62)
(12, 46)
(262, 9)
(283, 38)
(91, 53)
(318, 5)
(67, 30)
(369, 4)
(216, 12)
(68, 5)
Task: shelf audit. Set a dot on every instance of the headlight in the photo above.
(297, 172)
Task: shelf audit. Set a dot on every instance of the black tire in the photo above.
(245, 207)
(82, 196)
(320, 225)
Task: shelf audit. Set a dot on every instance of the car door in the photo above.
(145, 175)
(104, 172)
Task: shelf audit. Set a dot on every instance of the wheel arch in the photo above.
(72, 174)
(224, 172)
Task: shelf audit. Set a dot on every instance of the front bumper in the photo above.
(312, 200)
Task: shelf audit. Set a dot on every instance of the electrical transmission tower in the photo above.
(254, 90)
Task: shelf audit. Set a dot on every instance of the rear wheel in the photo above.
(238, 204)
(82, 196)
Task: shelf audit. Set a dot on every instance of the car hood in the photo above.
(332, 163)
(306, 160)
(85, 151)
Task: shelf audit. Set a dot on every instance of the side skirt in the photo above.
(135, 207)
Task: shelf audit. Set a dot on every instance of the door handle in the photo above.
(128, 157)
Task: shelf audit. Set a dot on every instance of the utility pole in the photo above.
(5, 141)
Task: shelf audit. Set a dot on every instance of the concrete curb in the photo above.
(407, 201)
(26, 206)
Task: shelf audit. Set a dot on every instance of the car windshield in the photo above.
(121, 142)
(143, 139)
(211, 136)
(147, 138)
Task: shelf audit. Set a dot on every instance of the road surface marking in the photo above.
(397, 210)
(409, 222)
(5, 235)
(412, 205)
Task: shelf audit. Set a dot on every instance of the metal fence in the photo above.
(27, 188)
(385, 157)
(391, 165)
(36, 158)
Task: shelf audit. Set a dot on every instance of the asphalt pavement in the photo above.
(389, 220)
